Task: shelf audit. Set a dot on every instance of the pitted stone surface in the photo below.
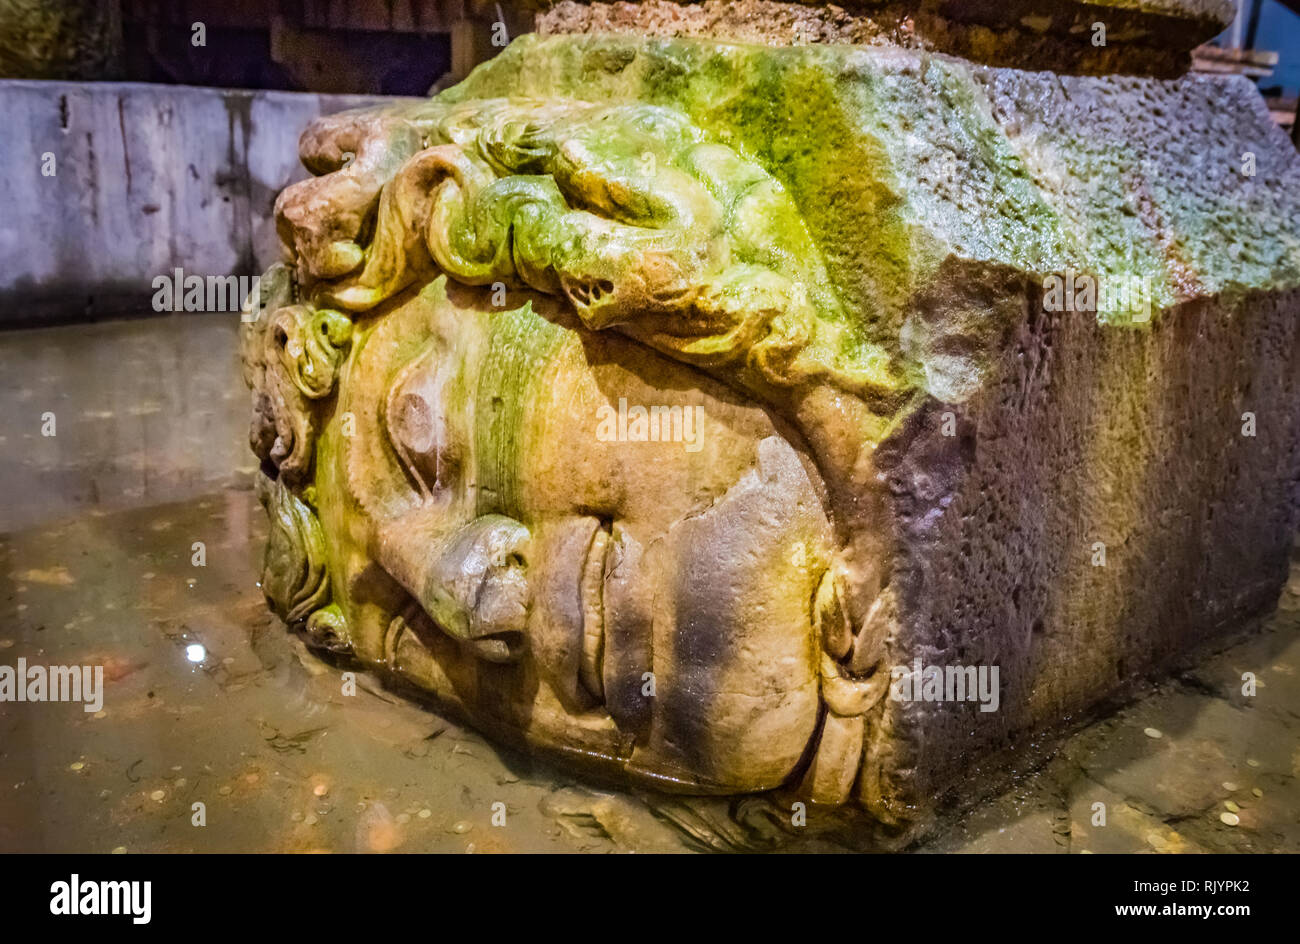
(916, 455)
(1095, 37)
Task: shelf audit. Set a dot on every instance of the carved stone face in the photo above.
(836, 253)
(570, 511)
(608, 551)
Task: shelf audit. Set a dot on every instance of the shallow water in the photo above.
(208, 700)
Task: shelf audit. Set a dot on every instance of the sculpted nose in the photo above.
(488, 566)
(477, 590)
(472, 581)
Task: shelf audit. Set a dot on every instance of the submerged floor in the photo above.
(209, 701)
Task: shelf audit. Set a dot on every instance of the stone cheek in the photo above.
(666, 405)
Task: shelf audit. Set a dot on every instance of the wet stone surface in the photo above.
(261, 732)
(257, 729)
(207, 699)
(119, 414)
(1168, 766)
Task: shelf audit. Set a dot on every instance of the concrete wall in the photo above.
(146, 178)
(145, 411)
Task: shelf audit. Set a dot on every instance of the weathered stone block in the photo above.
(919, 438)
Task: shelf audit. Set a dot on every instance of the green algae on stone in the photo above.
(850, 265)
(919, 155)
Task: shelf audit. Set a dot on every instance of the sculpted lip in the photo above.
(591, 590)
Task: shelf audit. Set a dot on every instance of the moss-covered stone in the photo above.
(932, 437)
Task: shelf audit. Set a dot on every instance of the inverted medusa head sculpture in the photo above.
(554, 402)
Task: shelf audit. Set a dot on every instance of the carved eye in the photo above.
(423, 432)
(414, 423)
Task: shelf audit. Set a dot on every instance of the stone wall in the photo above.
(110, 185)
